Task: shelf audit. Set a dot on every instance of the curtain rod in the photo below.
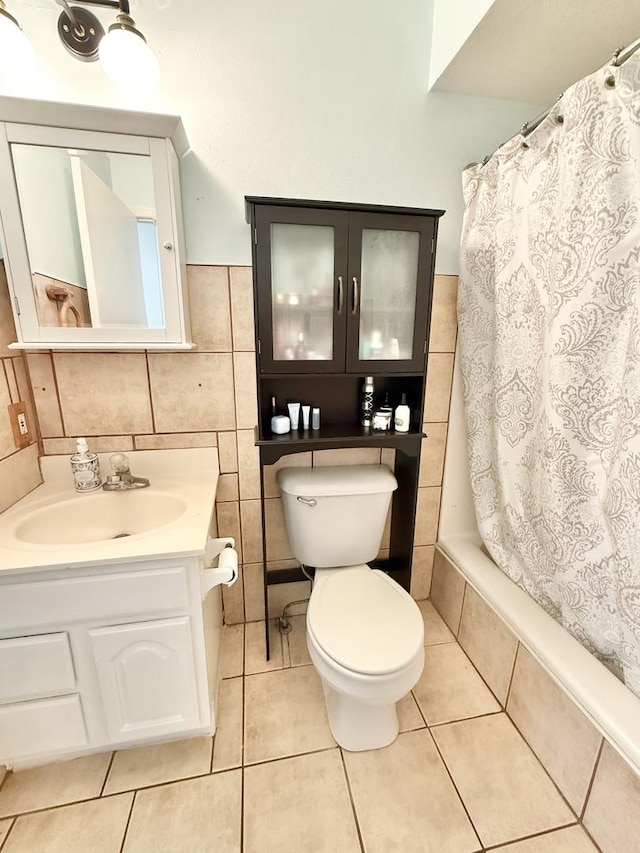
(619, 57)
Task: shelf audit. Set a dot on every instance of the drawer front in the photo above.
(118, 595)
(35, 728)
(35, 666)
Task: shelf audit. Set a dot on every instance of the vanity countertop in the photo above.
(183, 487)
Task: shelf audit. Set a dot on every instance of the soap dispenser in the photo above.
(85, 467)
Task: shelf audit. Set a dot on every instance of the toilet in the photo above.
(365, 634)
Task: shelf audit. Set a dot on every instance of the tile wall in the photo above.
(125, 401)
(600, 787)
(19, 469)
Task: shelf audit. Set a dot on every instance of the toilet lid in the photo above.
(365, 621)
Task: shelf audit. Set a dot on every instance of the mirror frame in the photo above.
(89, 128)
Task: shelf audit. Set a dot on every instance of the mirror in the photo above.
(89, 220)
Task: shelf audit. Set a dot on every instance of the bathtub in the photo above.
(612, 708)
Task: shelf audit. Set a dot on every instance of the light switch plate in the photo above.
(20, 424)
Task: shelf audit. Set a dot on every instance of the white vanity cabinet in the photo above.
(104, 656)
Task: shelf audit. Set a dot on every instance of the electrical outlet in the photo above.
(20, 424)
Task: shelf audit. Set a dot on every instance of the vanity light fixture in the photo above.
(17, 55)
(124, 53)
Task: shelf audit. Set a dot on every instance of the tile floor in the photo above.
(459, 778)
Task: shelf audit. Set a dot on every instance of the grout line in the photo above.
(465, 719)
(513, 673)
(13, 823)
(292, 755)
(531, 837)
(56, 806)
(455, 787)
(592, 779)
(126, 828)
(242, 781)
(151, 408)
(54, 374)
(106, 775)
(352, 800)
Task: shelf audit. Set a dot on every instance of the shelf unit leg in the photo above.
(264, 562)
(403, 514)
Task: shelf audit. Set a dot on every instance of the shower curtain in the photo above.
(549, 341)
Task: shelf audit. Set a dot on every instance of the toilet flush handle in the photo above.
(308, 501)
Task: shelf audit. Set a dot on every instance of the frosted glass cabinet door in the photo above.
(389, 268)
(303, 256)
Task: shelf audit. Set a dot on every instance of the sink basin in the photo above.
(100, 516)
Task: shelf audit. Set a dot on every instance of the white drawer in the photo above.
(35, 666)
(35, 728)
(118, 595)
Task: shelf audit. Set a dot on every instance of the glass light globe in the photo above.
(127, 59)
(18, 58)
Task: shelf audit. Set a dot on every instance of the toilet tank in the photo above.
(336, 516)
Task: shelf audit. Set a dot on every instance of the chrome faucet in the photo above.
(122, 478)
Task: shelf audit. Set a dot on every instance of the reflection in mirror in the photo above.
(89, 220)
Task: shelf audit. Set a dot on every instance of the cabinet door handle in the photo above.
(356, 296)
(340, 294)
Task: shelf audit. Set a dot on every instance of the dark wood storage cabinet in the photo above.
(343, 291)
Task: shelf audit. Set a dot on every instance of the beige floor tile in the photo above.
(253, 581)
(232, 651)
(156, 763)
(284, 715)
(196, 816)
(450, 688)
(572, 839)
(435, 628)
(405, 800)
(97, 826)
(255, 650)
(612, 816)
(505, 790)
(297, 640)
(54, 784)
(561, 736)
(409, 714)
(227, 743)
(299, 804)
(488, 642)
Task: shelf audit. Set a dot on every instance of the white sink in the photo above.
(55, 527)
(100, 516)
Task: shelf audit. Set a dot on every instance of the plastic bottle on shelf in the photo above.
(402, 416)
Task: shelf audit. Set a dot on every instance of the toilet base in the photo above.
(357, 725)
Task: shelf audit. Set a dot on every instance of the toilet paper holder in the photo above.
(226, 571)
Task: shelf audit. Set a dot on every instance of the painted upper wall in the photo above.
(453, 23)
(325, 101)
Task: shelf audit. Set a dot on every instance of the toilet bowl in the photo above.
(365, 634)
(368, 656)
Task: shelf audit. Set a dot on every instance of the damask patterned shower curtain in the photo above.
(549, 320)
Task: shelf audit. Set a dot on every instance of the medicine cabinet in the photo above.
(91, 226)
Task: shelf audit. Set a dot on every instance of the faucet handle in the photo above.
(119, 462)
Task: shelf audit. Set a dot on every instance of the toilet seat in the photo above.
(365, 621)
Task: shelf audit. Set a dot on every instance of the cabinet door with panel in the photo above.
(390, 268)
(301, 264)
(147, 679)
